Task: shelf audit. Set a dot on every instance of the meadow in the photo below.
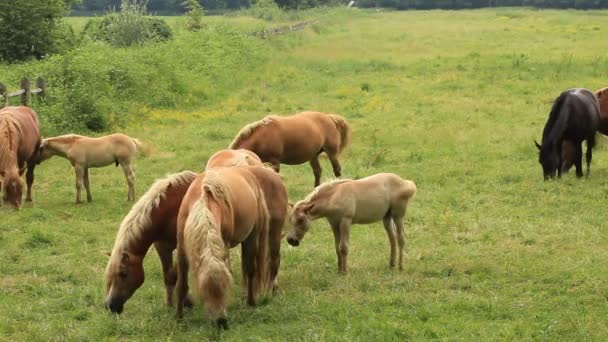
(452, 100)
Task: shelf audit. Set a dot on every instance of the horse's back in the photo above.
(227, 158)
(584, 113)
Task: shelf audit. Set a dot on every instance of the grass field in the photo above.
(451, 100)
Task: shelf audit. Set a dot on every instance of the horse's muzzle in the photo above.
(115, 306)
(293, 242)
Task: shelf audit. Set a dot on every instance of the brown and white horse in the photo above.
(225, 207)
(19, 143)
(296, 139)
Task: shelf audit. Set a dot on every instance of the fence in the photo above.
(24, 93)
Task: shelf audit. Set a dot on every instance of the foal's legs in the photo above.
(249, 248)
(578, 159)
(29, 178)
(79, 180)
(86, 184)
(316, 169)
(335, 227)
(344, 237)
(182, 280)
(398, 220)
(126, 167)
(390, 231)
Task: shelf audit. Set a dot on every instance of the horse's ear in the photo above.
(537, 144)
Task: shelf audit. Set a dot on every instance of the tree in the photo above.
(28, 27)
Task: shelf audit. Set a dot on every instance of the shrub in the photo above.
(194, 16)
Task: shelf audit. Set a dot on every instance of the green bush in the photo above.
(130, 26)
(194, 16)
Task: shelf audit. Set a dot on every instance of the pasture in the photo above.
(450, 100)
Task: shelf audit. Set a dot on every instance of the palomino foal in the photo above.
(85, 152)
(383, 196)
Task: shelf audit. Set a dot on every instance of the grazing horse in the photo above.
(19, 143)
(296, 139)
(602, 98)
(152, 220)
(383, 196)
(574, 117)
(85, 152)
(226, 158)
(225, 207)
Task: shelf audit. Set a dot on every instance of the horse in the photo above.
(383, 196)
(296, 139)
(152, 220)
(225, 207)
(86, 152)
(602, 98)
(227, 158)
(575, 117)
(19, 143)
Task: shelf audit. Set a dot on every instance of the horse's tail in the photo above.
(144, 148)
(206, 247)
(343, 129)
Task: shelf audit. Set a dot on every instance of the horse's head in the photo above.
(300, 221)
(44, 152)
(13, 188)
(124, 274)
(549, 159)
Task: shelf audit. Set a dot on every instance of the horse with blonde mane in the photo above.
(19, 142)
(151, 221)
(86, 152)
(383, 196)
(227, 158)
(225, 207)
(296, 139)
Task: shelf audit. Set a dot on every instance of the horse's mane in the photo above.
(556, 124)
(138, 219)
(323, 187)
(249, 129)
(8, 142)
(65, 139)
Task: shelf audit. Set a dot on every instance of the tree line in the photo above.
(177, 6)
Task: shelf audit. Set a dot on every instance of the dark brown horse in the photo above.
(19, 143)
(223, 208)
(151, 221)
(296, 139)
(574, 117)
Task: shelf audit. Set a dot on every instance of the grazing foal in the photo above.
(85, 152)
(383, 196)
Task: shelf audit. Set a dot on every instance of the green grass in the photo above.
(451, 100)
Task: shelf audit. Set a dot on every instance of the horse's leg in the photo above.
(390, 231)
(589, 153)
(335, 163)
(165, 254)
(248, 256)
(344, 237)
(398, 220)
(274, 245)
(336, 230)
(29, 178)
(316, 169)
(79, 180)
(578, 160)
(126, 167)
(86, 184)
(182, 280)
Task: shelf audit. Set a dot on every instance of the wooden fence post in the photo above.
(25, 85)
(41, 83)
(3, 95)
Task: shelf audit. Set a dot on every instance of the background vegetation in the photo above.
(451, 100)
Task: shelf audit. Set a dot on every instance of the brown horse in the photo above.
(19, 143)
(225, 207)
(226, 158)
(152, 220)
(296, 139)
(602, 98)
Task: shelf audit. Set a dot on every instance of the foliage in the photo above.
(194, 16)
(264, 9)
(129, 26)
(30, 28)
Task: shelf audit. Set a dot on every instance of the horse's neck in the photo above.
(60, 148)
